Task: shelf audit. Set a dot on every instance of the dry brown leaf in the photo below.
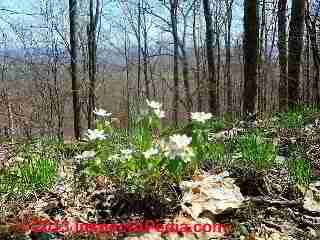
(198, 178)
(196, 190)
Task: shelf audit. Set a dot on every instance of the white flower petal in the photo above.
(101, 112)
(126, 152)
(153, 104)
(96, 134)
(180, 141)
(159, 113)
(152, 151)
(201, 116)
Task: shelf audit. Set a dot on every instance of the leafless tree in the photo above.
(196, 48)
(250, 47)
(282, 48)
(73, 16)
(295, 45)
(229, 4)
(174, 23)
(311, 23)
(213, 104)
(92, 52)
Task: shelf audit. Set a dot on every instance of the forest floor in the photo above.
(269, 166)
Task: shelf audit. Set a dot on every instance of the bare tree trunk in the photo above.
(250, 46)
(272, 105)
(228, 55)
(6, 98)
(145, 53)
(265, 66)
(145, 67)
(217, 78)
(153, 84)
(262, 60)
(203, 67)
(59, 105)
(152, 70)
(5, 95)
(92, 48)
(185, 73)
(213, 104)
(73, 15)
(139, 48)
(10, 118)
(282, 48)
(295, 45)
(197, 59)
(312, 31)
(145, 72)
(238, 100)
(126, 52)
(185, 66)
(173, 15)
(306, 80)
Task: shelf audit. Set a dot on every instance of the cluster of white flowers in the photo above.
(179, 146)
(150, 152)
(154, 104)
(114, 157)
(159, 113)
(86, 154)
(102, 113)
(179, 142)
(156, 108)
(201, 116)
(95, 134)
(127, 153)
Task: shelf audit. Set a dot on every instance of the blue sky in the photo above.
(32, 6)
(20, 5)
(17, 4)
(21, 21)
(24, 6)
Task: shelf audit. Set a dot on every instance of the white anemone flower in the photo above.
(96, 134)
(86, 154)
(114, 157)
(126, 153)
(179, 142)
(152, 151)
(177, 147)
(159, 113)
(153, 104)
(101, 112)
(187, 154)
(201, 116)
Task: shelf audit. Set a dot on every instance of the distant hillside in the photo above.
(106, 56)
